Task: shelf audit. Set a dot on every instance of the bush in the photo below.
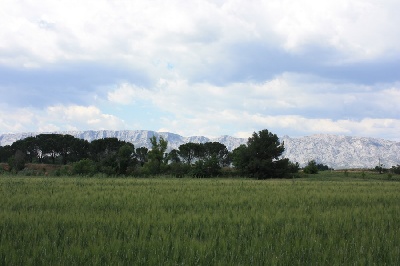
(395, 169)
(178, 169)
(311, 168)
(206, 168)
(84, 167)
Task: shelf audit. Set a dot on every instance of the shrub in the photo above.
(84, 167)
(311, 168)
(396, 169)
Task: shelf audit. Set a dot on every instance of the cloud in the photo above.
(297, 104)
(126, 93)
(196, 31)
(201, 67)
(57, 118)
(89, 117)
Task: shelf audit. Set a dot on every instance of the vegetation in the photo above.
(261, 157)
(311, 168)
(112, 157)
(158, 221)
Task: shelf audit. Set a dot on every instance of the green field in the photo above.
(167, 221)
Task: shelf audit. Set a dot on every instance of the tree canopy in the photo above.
(260, 158)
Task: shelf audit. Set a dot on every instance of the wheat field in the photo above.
(167, 221)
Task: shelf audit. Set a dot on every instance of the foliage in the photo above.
(261, 157)
(216, 151)
(141, 155)
(396, 169)
(157, 156)
(188, 152)
(179, 169)
(5, 153)
(17, 162)
(323, 167)
(85, 167)
(173, 156)
(125, 158)
(380, 169)
(311, 168)
(206, 168)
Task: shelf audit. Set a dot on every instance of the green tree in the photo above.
(141, 155)
(157, 157)
(189, 152)
(27, 146)
(72, 149)
(261, 157)
(85, 167)
(173, 156)
(5, 153)
(206, 167)
(105, 152)
(50, 145)
(395, 169)
(217, 150)
(17, 161)
(323, 167)
(125, 157)
(311, 167)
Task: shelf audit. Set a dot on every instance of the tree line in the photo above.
(260, 158)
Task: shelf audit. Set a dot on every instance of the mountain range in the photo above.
(336, 151)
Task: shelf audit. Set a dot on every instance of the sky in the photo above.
(210, 67)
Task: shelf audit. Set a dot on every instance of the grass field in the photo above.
(165, 221)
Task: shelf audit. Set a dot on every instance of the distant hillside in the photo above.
(332, 150)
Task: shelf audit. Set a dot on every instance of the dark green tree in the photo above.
(217, 150)
(27, 146)
(17, 161)
(141, 155)
(5, 153)
(157, 157)
(125, 157)
(70, 148)
(50, 145)
(261, 157)
(85, 167)
(206, 167)
(323, 167)
(190, 151)
(173, 156)
(395, 169)
(105, 153)
(311, 168)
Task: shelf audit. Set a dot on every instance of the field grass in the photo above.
(166, 221)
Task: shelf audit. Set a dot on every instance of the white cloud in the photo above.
(191, 54)
(15, 120)
(290, 102)
(89, 117)
(193, 33)
(126, 93)
(55, 118)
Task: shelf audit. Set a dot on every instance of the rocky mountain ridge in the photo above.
(333, 150)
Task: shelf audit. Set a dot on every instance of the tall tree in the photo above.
(217, 150)
(5, 153)
(141, 155)
(157, 155)
(261, 157)
(125, 157)
(189, 152)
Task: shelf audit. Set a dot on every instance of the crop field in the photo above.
(168, 221)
